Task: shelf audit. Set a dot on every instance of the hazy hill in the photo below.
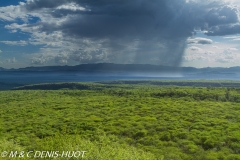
(111, 67)
(2, 69)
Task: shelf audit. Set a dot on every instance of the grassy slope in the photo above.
(174, 122)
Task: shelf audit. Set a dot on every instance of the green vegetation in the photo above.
(123, 121)
(102, 147)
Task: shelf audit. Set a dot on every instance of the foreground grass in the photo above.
(125, 121)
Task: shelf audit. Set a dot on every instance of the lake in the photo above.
(50, 77)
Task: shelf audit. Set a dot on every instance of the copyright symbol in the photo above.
(4, 154)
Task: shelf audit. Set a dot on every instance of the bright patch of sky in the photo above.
(221, 51)
(197, 33)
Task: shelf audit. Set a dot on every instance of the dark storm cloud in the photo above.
(140, 18)
(116, 19)
(223, 21)
(158, 18)
(221, 16)
(161, 27)
(120, 22)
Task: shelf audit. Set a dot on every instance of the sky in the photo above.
(196, 33)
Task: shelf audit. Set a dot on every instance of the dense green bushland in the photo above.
(194, 83)
(99, 147)
(128, 120)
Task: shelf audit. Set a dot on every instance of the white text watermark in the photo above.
(43, 154)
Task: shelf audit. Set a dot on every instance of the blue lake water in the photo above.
(45, 77)
(48, 77)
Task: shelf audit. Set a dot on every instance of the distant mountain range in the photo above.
(2, 69)
(10, 78)
(127, 68)
(99, 67)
